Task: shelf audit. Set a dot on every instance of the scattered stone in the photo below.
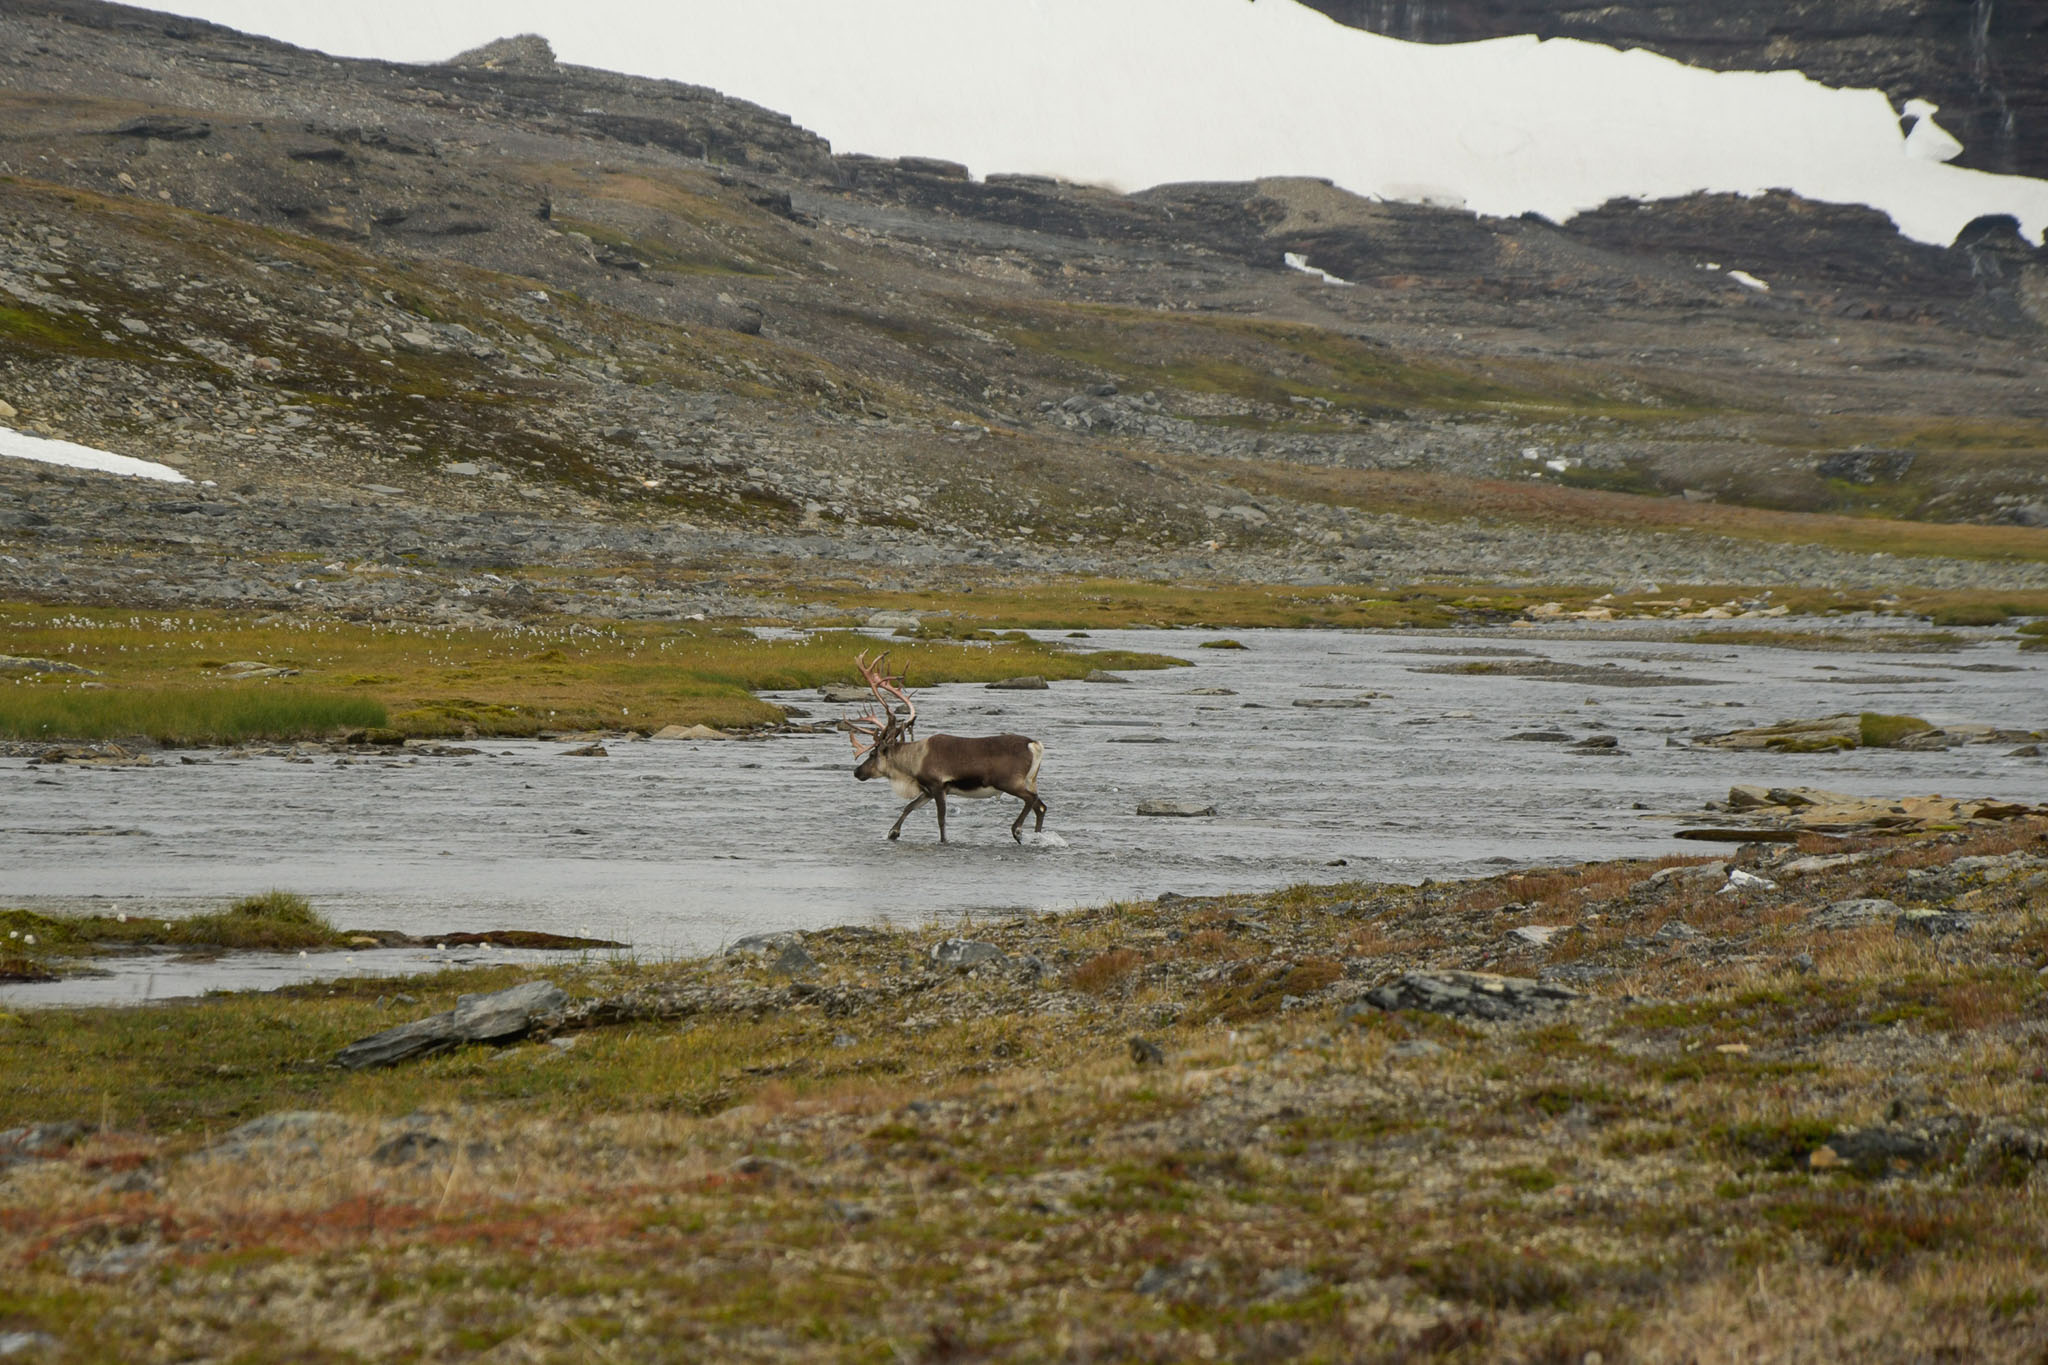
(1029, 683)
(845, 694)
(1541, 737)
(587, 751)
(1104, 676)
(1539, 935)
(1854, 914)
(1598, 744)
(1138, 739)
(1212, 692)
(1740, 881)
(498, 1017)
(1146, 1053)
(1474, 995)
(1187, 809)
(1332, 703)
(1675, 931)
(964, 953)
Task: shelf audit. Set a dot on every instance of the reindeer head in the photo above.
(876, 732)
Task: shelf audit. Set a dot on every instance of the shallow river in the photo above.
(680, 847)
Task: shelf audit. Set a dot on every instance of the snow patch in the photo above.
(1296, 261)
(1749, 281)
(1043, 839)
(22, 446)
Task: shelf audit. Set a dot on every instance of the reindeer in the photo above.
(945, 765)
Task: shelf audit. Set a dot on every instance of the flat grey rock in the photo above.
(1471, 995)
(500, 1016)
(1029, 683)
(1189, 809)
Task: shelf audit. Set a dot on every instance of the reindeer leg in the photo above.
(896, 830)
(939, 800)
(1041, 813)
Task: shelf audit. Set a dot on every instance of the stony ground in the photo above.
(1785, 1105)
(411, 327)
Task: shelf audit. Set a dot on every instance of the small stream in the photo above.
(681, 847)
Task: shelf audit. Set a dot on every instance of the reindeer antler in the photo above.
(876, 726)
(887, 690)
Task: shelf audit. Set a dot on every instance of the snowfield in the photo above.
(20, 445)
(1134, 93)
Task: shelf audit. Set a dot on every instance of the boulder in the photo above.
(894, 620)
(764, 945)
(499, 1017)
(1158, 806)
(966, 952)
(1931, 923)
(1029, 683)
(1853, 914)
(1471, 995)
(846, 694)
(1103, 676)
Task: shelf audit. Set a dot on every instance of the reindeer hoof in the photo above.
(894, 835)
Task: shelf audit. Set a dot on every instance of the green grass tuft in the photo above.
(275, 919)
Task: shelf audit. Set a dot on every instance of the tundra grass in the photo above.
(426, 681)
(216, 715)
(884, 1159)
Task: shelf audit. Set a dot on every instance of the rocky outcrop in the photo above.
(1985, 62)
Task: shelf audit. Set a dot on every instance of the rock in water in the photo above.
(498, 1017)
(1471, 995)
(1029, 683)
(1175, 808)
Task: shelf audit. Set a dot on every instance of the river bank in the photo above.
(1690, 1109)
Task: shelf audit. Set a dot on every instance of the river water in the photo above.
(682, 847)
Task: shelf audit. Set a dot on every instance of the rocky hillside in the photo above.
(1985, 62)
(502, 312)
